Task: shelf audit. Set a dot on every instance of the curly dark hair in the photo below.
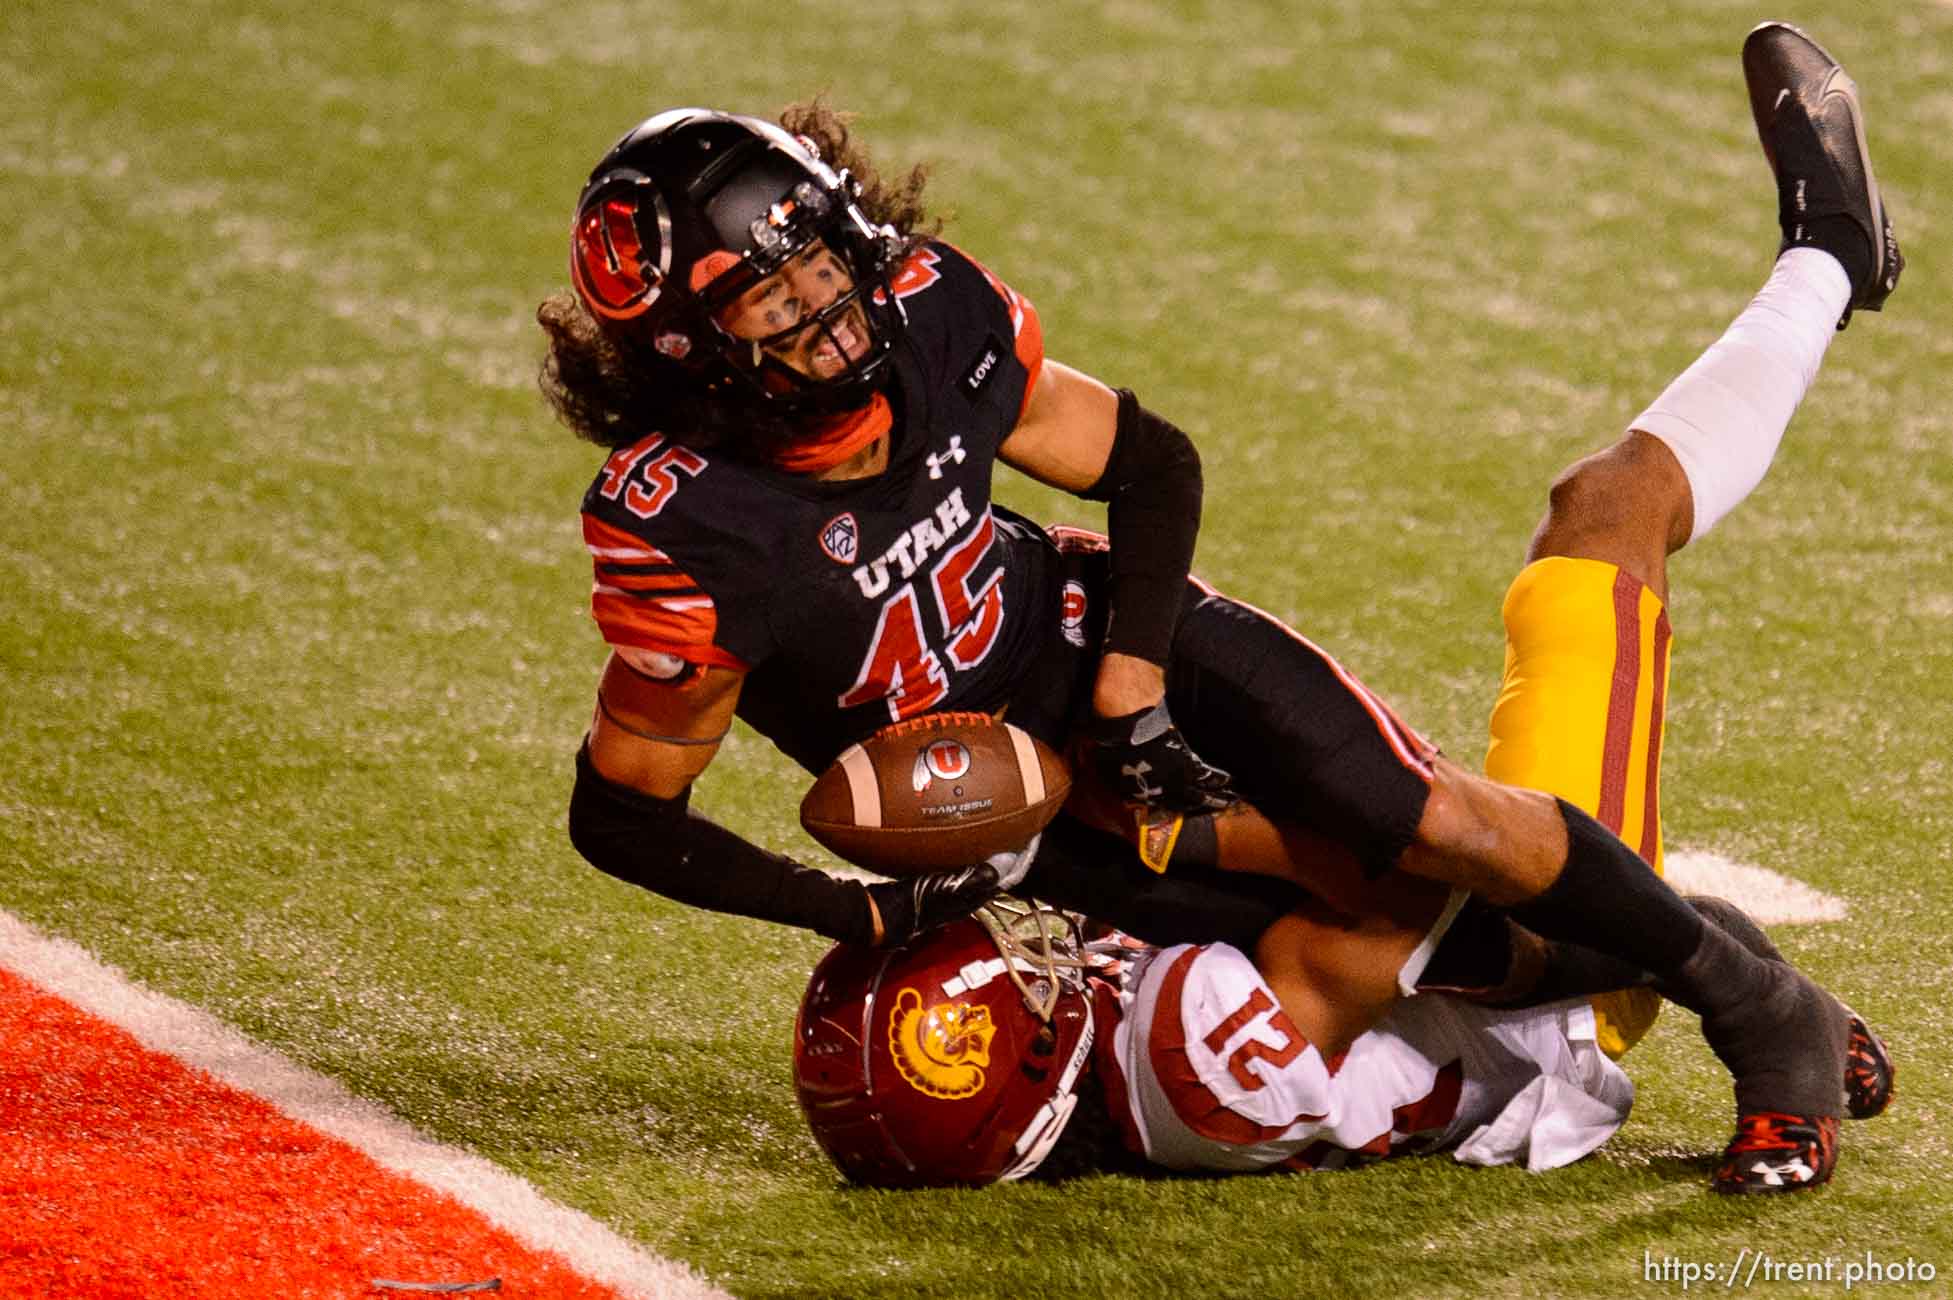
(612, 393)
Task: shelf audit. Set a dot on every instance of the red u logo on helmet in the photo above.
(607, 255)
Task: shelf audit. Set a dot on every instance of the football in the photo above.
(940, 791)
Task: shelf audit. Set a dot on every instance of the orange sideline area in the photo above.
(124, 1172)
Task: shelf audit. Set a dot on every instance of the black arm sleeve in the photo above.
(659, 845)
(1152, 488)
(1096, 873)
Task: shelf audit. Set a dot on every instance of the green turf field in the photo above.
(294, 650)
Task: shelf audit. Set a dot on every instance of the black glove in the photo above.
(1144, 759)
(918, 904)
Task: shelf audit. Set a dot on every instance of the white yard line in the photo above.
(1771, 898)
(199, 1040)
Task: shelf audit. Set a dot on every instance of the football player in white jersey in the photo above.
(975, 1054)
(962, 1060)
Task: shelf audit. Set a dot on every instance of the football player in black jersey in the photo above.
(805, 395)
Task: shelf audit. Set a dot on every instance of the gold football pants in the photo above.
(1579, 715)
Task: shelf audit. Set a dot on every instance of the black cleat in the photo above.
(1813, 132)
(1773, 1152)
(1869, 1071)
(1785, 1042)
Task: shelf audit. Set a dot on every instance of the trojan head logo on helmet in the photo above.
(691, 209)
(952, 1061)
(942, 1050)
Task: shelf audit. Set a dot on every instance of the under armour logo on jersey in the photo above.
(955, 454)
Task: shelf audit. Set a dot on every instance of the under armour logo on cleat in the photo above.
(1795, 1171)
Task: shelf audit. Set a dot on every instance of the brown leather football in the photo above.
(939, 791)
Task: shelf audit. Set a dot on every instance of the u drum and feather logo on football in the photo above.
(947, 760)
(940, 760)
(942, 1051)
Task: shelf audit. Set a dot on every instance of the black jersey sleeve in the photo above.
(975, 336)
(680, 552)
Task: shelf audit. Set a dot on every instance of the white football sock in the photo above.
(1725, 415)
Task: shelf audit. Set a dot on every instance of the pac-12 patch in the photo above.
(841, 538)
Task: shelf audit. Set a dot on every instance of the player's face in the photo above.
(770, 311)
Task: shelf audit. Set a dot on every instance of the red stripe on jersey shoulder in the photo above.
(1192, 1100)
(610, 544)
(1025, 327)
(1030, 351)
(652, 584)
(661, 608)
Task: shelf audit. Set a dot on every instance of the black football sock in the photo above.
(1573, 971)
(1782, 1037)
(1607, 899)
(1770, 1026)
(1490, 958)
(1568, 970)
(1479, 955)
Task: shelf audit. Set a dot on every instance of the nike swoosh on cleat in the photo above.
(1782, 95)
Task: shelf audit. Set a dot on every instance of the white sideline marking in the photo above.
(200, 1040)
(1771, 898)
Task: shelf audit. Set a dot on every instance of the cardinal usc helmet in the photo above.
(692, 208)
(949, 1062)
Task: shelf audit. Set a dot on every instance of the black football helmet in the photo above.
(692, 208)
